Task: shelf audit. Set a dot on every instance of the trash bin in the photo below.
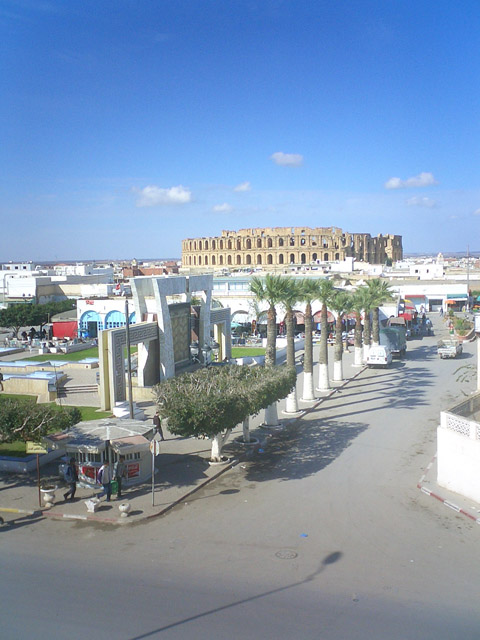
(114, 486)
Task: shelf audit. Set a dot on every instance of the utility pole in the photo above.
(468, 278)
(129, 362)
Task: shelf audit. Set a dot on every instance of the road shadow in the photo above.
(301, 450)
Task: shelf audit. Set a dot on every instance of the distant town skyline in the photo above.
(131, 126)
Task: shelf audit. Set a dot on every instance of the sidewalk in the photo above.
(182, 468)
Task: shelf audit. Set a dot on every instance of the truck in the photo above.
(394, 337)
(450, 348)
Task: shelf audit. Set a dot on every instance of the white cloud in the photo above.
(223, 208)
(418, 201)
(287, 159)
(422, 180)
(243, 186)
(476, 212)
(152, 196)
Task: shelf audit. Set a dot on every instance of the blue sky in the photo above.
(128, 125)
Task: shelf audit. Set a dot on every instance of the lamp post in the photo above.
(129, 361)
(477, 332)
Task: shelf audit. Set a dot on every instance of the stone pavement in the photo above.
(182, 468)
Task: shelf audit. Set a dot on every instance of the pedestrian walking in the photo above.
(120, 472)
(158, 425)
(105, 479)
(71, 478)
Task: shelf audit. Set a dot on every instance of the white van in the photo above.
(379, 356)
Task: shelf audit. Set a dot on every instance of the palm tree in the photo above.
(325, 293)
(366, 302)
(270, 290)
(289, 298)
(358, 304)
(379, 292)
(341, 303)
(308, 294)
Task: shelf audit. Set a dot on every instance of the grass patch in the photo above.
(75, 356)
(241, 352)
(92, 413)
(71, 357)
(15, 449)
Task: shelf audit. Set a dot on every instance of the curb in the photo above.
(55, 515)
(444, 501)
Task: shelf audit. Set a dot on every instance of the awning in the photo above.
(353, 316)
(299, 317)
(457, 296)
(317, 317)
(406, 316)
(417, 296)
(130, 444)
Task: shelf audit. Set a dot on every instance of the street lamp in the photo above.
(206, 351)
(194, 351)
(215, 349)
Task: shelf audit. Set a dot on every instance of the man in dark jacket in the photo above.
(71, 478)
(158, 425)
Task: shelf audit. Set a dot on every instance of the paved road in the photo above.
(322, 536)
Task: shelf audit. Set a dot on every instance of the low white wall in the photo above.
(29, 463)
(458, 463)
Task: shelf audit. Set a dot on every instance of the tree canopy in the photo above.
(20, 315)
(211, 400)
(24, 420)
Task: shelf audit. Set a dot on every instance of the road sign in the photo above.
(155, 447)
(35, 447)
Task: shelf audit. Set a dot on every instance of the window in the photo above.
(220, 260)
(303, 258)
(239, 245)
(280, 242)
(269, 259)
(239, 259)
(249, 259)
(259, 243)
(259, 259)
(280, 259)
(292, 258)
(213, 259)
(269, 243)
(249, 244)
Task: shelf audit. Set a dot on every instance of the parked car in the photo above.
(379, 356)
